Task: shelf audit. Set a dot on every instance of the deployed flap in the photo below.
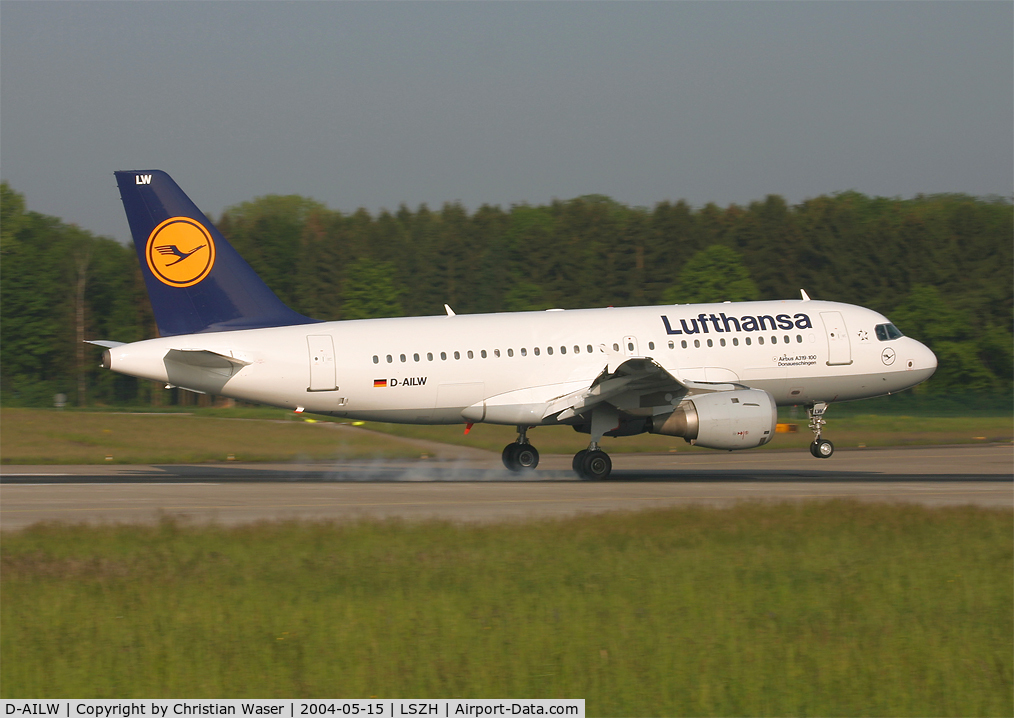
(618, 385)
(637, 383)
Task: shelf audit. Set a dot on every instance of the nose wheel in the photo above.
(820, 448)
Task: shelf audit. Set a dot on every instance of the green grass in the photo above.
(48, 436)
(833, 608)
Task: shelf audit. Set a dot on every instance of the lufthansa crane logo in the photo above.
(180, 252)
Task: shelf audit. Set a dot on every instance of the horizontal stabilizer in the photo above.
(204, 359)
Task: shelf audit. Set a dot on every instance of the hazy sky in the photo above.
(379, 103)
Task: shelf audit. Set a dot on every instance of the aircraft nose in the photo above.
(922, 360)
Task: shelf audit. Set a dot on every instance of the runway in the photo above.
(479, 489)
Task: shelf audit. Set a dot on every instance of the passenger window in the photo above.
(510, 352)
(416, 357)
(760, 340)
(590, 350)
(443, 356)
(496, 352)
(376, 359)
(389, 359)
(683, 343)
(616, 347)
(457, 355)
(536, 350)
(711, 343)
(577, 349)
(651, 345)
(774, 340)
(524, 352)
(671, 345)
(799, 339)
(483, 353)
(549, 350)
(735, 342)
(429, 356)
(470, 354)
(403, 358)
(749, 341)
(563, 350)
(697, 343)
(722, 342)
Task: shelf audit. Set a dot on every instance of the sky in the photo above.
(375, 104)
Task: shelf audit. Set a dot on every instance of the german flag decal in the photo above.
(379, 382)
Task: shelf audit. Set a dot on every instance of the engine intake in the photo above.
(739, 419)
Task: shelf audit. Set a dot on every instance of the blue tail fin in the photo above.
(196, 281)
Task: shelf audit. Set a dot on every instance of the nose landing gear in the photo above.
(820, 448)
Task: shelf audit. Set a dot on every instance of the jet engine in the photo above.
(738, 419)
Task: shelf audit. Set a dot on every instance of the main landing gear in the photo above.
(591, 463)
(821, 448)
(520, 456)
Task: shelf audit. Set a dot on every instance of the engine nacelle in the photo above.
(740, 419)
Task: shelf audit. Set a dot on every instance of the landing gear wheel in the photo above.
(596, 465)
(526, 457)
(508, 457)
(520, 457)
(822, 449)
(576, 463)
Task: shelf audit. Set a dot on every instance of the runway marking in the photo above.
(477, 501)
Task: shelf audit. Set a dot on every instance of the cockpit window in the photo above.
(886, 332)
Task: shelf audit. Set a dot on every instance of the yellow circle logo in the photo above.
(180, 252)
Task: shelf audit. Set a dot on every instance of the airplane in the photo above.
(713, 374)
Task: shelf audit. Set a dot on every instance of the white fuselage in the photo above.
(432, 369)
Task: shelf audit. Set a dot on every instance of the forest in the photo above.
(939, 266)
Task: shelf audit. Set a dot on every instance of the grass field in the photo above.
(46, 436)
(41, 436)
(809, 609)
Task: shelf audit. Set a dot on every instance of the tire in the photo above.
(596, 465)
(509, 457)
(576, 464)
(526, 457)
(813, 450)
(823, 449)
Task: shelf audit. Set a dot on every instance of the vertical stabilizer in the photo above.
(196, 281)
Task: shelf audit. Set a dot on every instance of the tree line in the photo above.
(939, 266)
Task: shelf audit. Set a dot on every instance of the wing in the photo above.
(637, 386)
